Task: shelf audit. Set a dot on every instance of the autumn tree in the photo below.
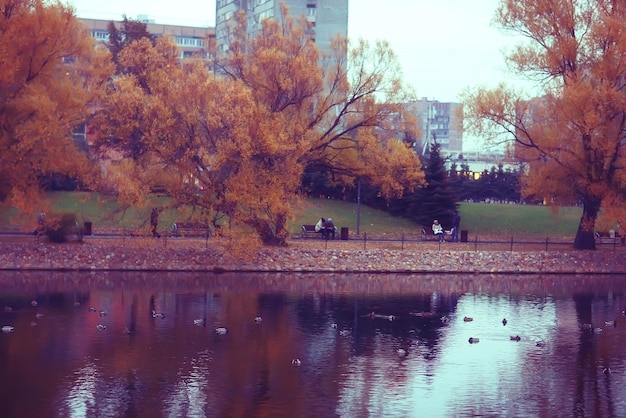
(340, 111)
(50, 74)
(130, 30)
(572, 134)
(235, 140)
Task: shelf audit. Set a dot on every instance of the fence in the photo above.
(474, 243)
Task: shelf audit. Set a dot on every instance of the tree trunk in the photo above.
(268, 235)
(585, 236)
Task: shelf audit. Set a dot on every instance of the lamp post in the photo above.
(358, 207)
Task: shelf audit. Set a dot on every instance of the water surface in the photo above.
(368, 345)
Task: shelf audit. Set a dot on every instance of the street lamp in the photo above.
(358, 207)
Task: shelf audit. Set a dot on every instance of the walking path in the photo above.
(146, 254)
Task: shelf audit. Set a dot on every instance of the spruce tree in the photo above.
(437, 200)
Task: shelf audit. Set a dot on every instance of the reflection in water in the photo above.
(388, 345)
(80, 398)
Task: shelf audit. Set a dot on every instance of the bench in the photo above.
(308, 230)
(429, 235)
(190, 229)
(606, 237)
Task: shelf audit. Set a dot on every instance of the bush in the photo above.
(62, 226)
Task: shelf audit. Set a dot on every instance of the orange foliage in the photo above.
(572, 137)
(235, 135)
(50, 74)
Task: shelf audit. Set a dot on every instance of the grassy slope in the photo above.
(480, 219)
(519, 220)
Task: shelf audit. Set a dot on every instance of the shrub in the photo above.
(62, 226)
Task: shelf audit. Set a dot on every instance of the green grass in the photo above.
(519, 220)
(478, 219)
(101, 210)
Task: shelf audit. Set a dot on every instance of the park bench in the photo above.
(308, 231)
(608, 237)
(191, 229)
(429, 235)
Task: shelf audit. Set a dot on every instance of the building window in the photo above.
(193, 42)
(266, 15)
(100, 35)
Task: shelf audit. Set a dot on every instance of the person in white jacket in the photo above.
(319, 225)
(438, 230)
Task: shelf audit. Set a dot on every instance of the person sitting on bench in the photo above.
(438, 230)
(329, 229)
(319, 226)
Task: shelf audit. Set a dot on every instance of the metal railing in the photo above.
(474, 243)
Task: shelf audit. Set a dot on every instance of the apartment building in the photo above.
(327, 18)
(189, 39)
(438, 121)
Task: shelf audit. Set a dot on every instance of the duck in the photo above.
(515, 338)
(8, 328)
(467, 319)
(199, 322)
(606, 370)
(158, 314)
(610, 323)
(33, 303)
(344, 332)
(221, 331)
(473, 340)
(504, 322)
(101, 327)
(38, 315)
(258, 319)
(401, 352)
(333, 325)
(103, 312)
(541, 343)
(444, 319)
(92, 309)
(296, 362)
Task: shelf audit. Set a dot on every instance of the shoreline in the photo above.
(143, 254)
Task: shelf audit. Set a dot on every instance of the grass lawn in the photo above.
(477, 218)
(519, 220)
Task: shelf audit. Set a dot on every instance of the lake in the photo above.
(152, 344)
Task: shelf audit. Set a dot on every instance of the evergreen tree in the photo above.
(436, 200)
(131, 30)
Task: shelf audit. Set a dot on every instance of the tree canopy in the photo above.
(232, 137)
(572, 134)
(51, 73)
(130, 30)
